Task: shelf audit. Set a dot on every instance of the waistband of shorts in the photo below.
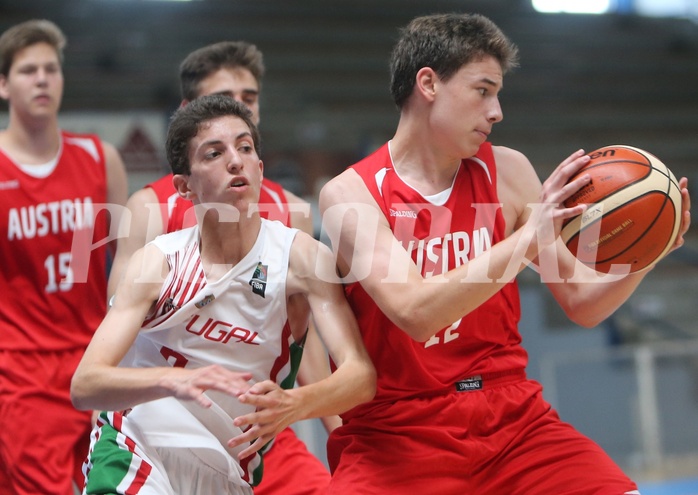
(485, 381)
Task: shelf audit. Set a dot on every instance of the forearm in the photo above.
(423, 306)
(97, 385)
(331, 422)
(587, 297)
(114, 389)
(589, 303)
(314, 367)
(353, 383)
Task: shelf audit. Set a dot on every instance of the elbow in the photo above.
(368, 388)
(78, 396)
(416, 322)
(371, 384)
(584, 316)
(586, 322)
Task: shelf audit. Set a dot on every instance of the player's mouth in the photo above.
(238, 182)
(42, 98)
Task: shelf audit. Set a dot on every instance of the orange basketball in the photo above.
(633, 214)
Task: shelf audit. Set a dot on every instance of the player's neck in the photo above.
(420, 165)
(31, 141)
(224, 244)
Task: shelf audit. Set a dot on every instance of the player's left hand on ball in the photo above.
(275, 410)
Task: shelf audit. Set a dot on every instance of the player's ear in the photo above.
(425, 82)
(3, 88)
(181, 184)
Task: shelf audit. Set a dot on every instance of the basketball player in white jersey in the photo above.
(212, 314)
(235, 69)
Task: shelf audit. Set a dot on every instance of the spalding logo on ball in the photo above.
(633, 214)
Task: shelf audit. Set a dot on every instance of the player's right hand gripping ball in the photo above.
(633, 214)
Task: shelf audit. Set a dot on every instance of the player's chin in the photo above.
(470, 147)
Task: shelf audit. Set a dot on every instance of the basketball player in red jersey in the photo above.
(49, 308)
(435, 225)
(236, 68)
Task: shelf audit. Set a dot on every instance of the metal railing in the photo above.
(650, 446)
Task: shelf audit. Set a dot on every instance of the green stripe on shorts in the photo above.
(110, 463)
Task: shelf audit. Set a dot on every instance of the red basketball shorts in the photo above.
(43, 439)
(501, 440)
(291, 469)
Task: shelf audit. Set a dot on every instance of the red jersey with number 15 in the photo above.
(177, 213)
(53, 283)
(441, 232)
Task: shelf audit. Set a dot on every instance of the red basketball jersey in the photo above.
(176, 212)
(168, 197)
(53, 282)
(441, 233)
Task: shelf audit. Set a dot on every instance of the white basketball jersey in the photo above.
(238, 322)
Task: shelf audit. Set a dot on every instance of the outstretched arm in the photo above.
(99, 383)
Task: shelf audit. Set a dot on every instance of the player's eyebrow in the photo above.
(243, 135)
(216, 141)
(491, 82)
(246, 92)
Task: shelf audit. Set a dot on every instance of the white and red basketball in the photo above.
(633, 214)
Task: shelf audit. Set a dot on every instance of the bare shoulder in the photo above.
(517, 185)
(310, 263)
(512, 164)
(146, 221)
(346, 188)
(305, 254)
(145, 274)
(139, 200)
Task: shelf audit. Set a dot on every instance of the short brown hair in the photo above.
(445, 42)
(203, 62)
(27, 34)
